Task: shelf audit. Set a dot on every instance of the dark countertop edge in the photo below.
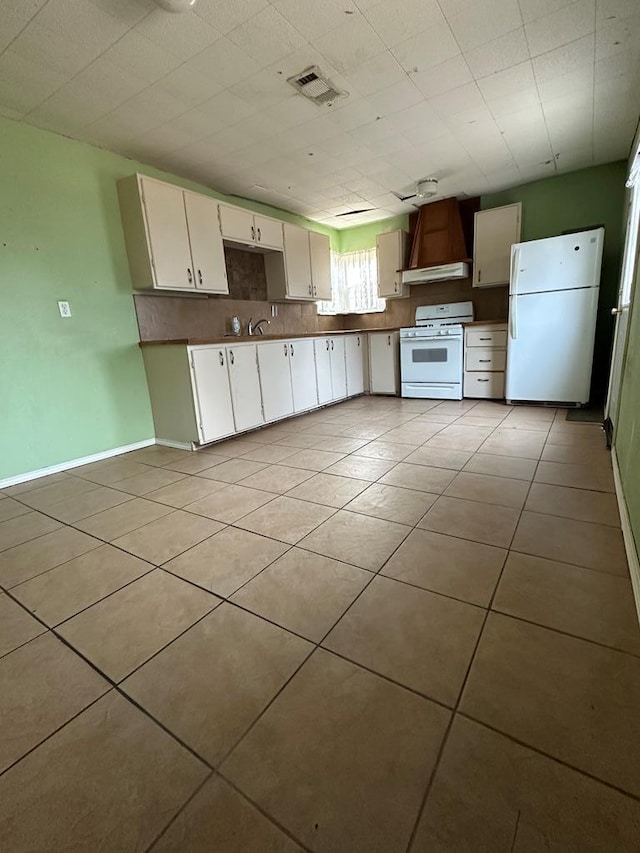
(246, 339)
(486, 323)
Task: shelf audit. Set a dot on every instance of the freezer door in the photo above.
(558, 263)
(550, 346)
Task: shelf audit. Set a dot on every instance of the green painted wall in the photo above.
(593, 196)
(364, 236)
(72, 387)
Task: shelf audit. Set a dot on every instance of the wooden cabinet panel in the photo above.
(245, 387)
(237, 224)
(213, 393)
(268, 232)
(320, 253)
(297, 259)
(495, 231)
(275, 380)
(439, 238)
(302, 363)
(354, 356)
(384, 362)
(207, 251)
(168, 235)
(391, 257)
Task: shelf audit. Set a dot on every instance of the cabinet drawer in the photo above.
(484, 385)
(478, 358)
(495, 338)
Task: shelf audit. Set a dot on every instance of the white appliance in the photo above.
(431, 352)
(553, 301)
(442, 273)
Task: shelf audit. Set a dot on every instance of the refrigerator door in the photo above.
(550, 346)
(557, 263)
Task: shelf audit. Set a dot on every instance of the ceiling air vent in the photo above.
(314, 85)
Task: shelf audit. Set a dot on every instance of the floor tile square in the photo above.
(185, 491)
(361, 468)
(60, 784)
(593, 605)
(24, 561)
(46, 496)
(219, 819)
(212, 683)
(370, 432)
(576, 455)
(456, 437)
(36, 483)
(11, 509)
(196, 462)
(490, 793)
(594, 546)
(229, 504)
(42, 685)
(381, 449)
(304, 592)
(115, 522)
(157, 454)
(22, 528)
(299, 440)
(417, 638)
(437, 457)
(329, 489)
(277, 479)
(392, 503)
(341, 758)
(233, 470)
(110, 471)
(286, 519)
(269, 453)
(313, 460)
(62, 592)
(168, 536)
(420, 477)
(16, 626)
(456, 567)
(357, 539)
(503, 491)
(142, 484)
(493, 525)
(338, 444)
(585, 475)
(233, 448)
(227, 560)
(569, 698)
(579, 504)
(527, 444)
(122, 631)
(78, 507)
(502, 466)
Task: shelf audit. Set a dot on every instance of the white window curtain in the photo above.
(354, 284)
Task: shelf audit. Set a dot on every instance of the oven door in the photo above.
(431, 359)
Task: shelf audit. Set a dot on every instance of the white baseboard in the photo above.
(627, 532)
(75, 463)
(179, 445)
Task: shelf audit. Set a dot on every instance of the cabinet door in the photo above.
(245, 387)
(495, 232)
(320, 251)
(168, 235)
(268, 232)
(213, 393)
(297, 262)
(322, 349)
(338, 368)
(390, 251)
(275, 380)
(355, 364)
(301, 359)
(207, 251)
(237, 224)
(383, 362)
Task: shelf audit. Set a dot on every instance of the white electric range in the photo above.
(431, 352)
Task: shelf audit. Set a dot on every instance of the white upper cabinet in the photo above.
(172, 237)
(320, 251)
(212, 393)
(241, 226)
(245, 387)
(391, 251)
(207, 251)
(354, 349)
(268, 232)
(302, 363)
(297, 258)
(275, 379)
(495, 231)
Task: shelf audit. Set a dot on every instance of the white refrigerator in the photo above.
(553, 301)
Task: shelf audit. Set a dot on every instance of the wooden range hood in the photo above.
(439, 237)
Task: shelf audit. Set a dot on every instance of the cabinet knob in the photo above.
(388, 340)
(200, 276)
(310, 290)
(327, 344)
(285, 349)
(259, 235)
(189, 276)
(253, 233)
(291, 349)
(331, 343)
(232, 357)
(221, 357)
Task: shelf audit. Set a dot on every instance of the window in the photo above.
(354, 284)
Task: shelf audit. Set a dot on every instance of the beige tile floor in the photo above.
(386, 626)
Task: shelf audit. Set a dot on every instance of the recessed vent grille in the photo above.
(314, 85)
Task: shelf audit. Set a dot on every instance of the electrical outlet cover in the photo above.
(64, 308)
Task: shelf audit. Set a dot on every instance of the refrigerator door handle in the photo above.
(513, 318)
(515, 252)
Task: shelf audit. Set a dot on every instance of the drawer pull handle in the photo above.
(483, 380)
(485, 339)
(484, 360)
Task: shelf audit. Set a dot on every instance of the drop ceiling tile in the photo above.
(351, 44)
(426, 133)
(141, 56)
(394, 98)
(312, 19)
(419, 115)
(154, 101)
(480, 23)
(16, 14)
(53, 50)
(618, 36)
(524, 99)
(617, 65)
(127, 11)
(375, 74)
(510, 49)
(263, 89)
(110, 84)
(534, 9)
(224, 63)
(397, 20)
(359, 112)
(422, 51)
(195, 124)
(389, 145)
(182, 35)
(293, 111)
(25, 83)
(575, 81)
(574, 158)
(189, 86)
(507, 82)
(562, 27)
(443, 77)
(458, 100)
(225, 16)
(266, 37)
(83, 22)
(574, 57)
(607, 9)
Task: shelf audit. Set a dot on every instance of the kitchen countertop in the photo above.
(486, 323)
(244, 339)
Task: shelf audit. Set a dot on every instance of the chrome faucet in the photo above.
(256, 328)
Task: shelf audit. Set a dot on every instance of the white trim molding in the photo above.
(74, 463)
(627, 532)
(179, 445)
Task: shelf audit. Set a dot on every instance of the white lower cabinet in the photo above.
(322, 348)
(338, 368)
(303, 385)
(354, 358)
(384, 362)
(242, 365)
(214, 409)
(275, 379)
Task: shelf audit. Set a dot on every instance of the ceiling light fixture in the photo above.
(427, 188)
(176, 6)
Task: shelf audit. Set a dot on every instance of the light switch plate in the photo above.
(64, 308)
